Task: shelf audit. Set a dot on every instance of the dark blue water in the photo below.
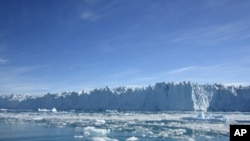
(116, 126)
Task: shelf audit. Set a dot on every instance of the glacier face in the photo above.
(184, 96)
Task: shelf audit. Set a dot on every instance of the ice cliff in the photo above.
(185, 96)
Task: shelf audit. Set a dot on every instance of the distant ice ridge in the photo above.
(183, 96)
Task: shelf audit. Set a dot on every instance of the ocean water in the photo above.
(54, 125)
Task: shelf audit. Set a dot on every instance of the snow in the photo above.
(183, 96)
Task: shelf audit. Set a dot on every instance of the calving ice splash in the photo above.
(184, 96)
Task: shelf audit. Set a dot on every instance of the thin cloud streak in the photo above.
(20, 80)
(220, 73)
(3, 61)
(214, 34)
(180, 70)
(125, 73)
(94, 15)
(87, 15)
(24, 88)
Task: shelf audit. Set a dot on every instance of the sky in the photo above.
(73, 45)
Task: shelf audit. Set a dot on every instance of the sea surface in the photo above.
(56, 125)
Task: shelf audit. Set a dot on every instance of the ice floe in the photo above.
(130, 125)
(132, 139)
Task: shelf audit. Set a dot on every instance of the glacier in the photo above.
(171, 96)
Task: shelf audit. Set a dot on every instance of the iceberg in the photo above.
(53, 110)
(183, 96)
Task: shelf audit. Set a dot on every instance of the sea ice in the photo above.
(99, 122)
(43, 110)
(103, 139)
(94, 132)
(132, 138)
(78, 136)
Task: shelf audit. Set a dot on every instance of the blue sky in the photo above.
(60, 45)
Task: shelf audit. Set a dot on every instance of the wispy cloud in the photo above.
(3, 61)
(215, 34)
(21, 80)
(91, 16)
(92, 11)
(125, 73)
(180, 70)
(23, 88)
(218, 73)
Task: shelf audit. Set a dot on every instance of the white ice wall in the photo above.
(161, 96)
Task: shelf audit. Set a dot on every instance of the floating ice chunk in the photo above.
(46, 110)
(221, 117)
(94, 132)
(111, 111)
(78, 136)
(100, 121)
(103, 139)
(172, 132)
(98, 139)
(43, 110)
(191, 139)
(53, 110)
(38, 118)
(132, 138)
